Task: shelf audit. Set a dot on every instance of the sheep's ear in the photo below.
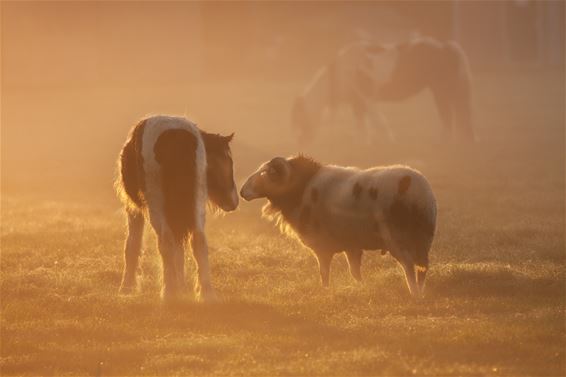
(279, 168)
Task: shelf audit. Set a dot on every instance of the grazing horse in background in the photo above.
(426, 63)
(336, 84)
(168, 170)
(365, 74)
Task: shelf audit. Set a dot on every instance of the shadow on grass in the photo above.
(485, 280)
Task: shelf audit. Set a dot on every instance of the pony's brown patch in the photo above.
(373, 193)
(314, 195)
(357, 191)
(175, 151)
(404, 184)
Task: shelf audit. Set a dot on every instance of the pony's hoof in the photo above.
(127, 289)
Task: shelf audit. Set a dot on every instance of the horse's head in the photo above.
(220, 171)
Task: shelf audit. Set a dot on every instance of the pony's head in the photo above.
(222, 190)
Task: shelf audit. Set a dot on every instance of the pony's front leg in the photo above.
(203, 286)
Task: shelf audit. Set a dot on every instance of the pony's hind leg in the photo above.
(132, 250)
(203, 285)
(168, 248)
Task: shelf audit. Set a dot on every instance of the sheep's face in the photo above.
(272, 179)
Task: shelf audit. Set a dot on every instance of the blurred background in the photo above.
(77, 75)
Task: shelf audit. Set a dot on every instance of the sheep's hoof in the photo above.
(127, 288)
(169, 294)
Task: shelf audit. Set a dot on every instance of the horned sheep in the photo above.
(334, 209)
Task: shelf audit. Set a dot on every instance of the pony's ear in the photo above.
(229, 137)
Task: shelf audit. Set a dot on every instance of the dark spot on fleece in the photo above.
(411, 228)
(304, 218)
(373, 193)
(357, 191)
(404, 184)
(314, 195)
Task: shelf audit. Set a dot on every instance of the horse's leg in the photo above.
(132, 250)
(378, 120)
(359, 109)
(444, 108)
(168, 248)
(180, 264)
(354, 258)
(203, 285)
(463, 112)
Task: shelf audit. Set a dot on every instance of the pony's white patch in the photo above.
(154, 127)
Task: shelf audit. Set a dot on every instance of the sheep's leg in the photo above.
(406, 262)
(203, 286)
(410, 276)
(354, 258)
(421, 276)
(132, 250)
(324, 259)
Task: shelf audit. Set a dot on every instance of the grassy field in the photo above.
(495, 300)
